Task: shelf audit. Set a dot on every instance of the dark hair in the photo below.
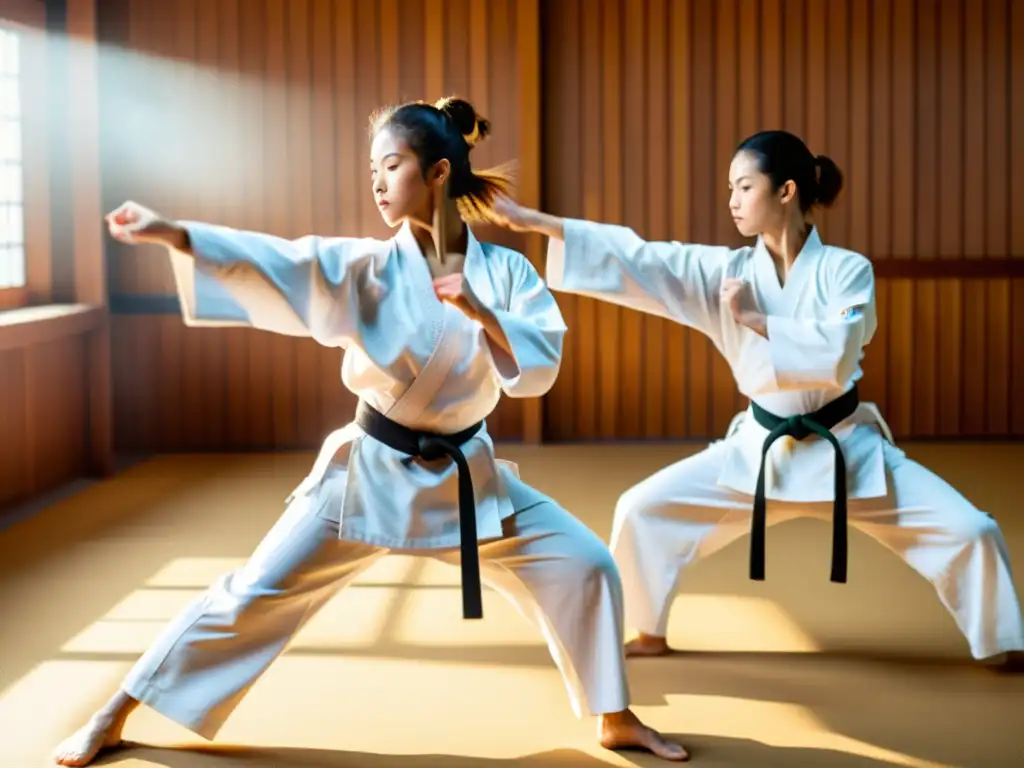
(785, 157)
(448, 129)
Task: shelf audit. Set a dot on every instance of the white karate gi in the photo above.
(818, 325)
(425, 365)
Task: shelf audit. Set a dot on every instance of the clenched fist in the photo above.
(455, 289)
(133, 223)
(735, 296)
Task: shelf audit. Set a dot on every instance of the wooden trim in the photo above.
(90, 272)
(86, 204)
(29, 13)
(987, 268)
(30, 27)
(12, 298)
(28, 326)
(144, 304)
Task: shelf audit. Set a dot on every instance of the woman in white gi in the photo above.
(792, 316)
(431, 341)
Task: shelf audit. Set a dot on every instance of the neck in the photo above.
(454, 227)
(785, 244)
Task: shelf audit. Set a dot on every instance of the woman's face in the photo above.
(399, 188)
(754, 205)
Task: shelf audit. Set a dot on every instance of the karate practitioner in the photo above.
(792, 317)
(433, 334)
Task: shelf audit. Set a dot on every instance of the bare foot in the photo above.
(623, 730)
(99, 735)
(647, 645)
(1011, 662)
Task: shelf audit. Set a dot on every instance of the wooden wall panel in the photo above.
(44, 415)
(253, 113)
(920, 102)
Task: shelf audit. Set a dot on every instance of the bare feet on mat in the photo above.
(623, 730)
(82, 747)
(101, 734)
(647, 645)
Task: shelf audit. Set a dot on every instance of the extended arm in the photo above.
(303, 287)
(612, 263)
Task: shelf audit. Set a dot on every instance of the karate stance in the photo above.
(434, 329)
(791, 316)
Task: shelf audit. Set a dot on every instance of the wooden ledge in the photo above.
(28, 326)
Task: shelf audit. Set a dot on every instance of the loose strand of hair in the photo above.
(477, 203)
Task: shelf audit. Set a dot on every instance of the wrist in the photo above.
(544, 223)
(170, 233)
(756, 322)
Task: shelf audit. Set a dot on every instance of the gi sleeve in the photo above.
(304, 287)
(611, 263)
(535, 330)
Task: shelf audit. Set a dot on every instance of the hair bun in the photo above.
(829, 180)
(472, 127)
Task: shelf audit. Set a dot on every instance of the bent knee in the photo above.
(972, 525)
(964, 522)
(588, 557)
(597, 560)
(636, 503)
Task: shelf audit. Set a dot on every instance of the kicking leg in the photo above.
(207, 658)
(958, 548)
(667, 522)
(561, 576)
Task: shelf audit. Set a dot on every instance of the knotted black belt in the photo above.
(799, 427)
(430, 446)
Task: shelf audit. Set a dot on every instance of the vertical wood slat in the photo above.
(900, 199)
(1015, 31)
(996, 224)
(974, 347)
(676, 197)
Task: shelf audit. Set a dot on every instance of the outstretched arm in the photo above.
(225, 276)
(612, 263)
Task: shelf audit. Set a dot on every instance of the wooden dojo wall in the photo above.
(253, 113)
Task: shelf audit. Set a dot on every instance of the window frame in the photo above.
(27, 19)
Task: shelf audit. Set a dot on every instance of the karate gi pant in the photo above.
(557, 572)
(681, 514)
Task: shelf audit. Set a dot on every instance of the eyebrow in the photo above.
(389, 154)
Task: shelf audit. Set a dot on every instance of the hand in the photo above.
(133, 223)
(507, 213)
(456, 291)
(735, 295)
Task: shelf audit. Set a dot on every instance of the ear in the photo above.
(439, 172)
(787, 192)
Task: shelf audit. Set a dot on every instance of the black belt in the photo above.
(430, 446)
(799, 427)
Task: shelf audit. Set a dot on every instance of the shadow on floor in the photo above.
(709, 751)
